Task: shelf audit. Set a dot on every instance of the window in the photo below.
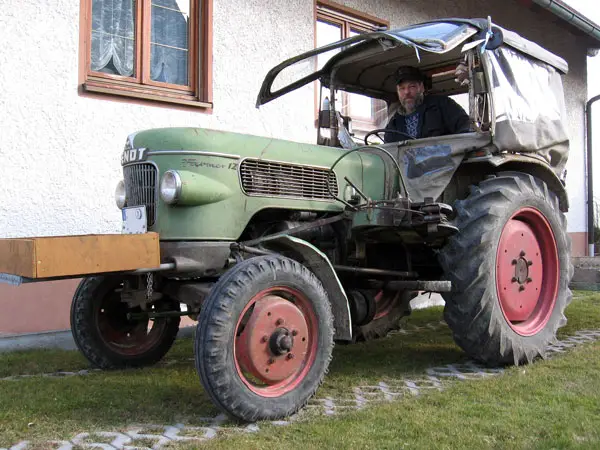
(148, 49)
(335, 22)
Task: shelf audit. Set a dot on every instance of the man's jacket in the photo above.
(438, 115)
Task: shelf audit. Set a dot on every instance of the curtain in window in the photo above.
(169, 41)
(113, 36)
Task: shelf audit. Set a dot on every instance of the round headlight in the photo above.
(120, 195)
(170, 187)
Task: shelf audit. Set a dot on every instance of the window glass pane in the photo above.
(462, 100)
(113, 37)
(182, 5)
(326, 34)
(442, 31)
(438, 37)
(170, 41)
(360, 106)
(363, 109)
(365, 112)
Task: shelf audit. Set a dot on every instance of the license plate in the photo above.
(134, 220)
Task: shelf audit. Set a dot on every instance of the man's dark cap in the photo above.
(409, 73)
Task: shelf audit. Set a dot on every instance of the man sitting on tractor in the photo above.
(420, 115)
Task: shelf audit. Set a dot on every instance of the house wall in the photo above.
(60, 151)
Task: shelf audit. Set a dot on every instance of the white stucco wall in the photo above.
(60, 152)
(590, 9)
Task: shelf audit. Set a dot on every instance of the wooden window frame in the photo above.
(363, 21)
(349, 19)
(198, 94)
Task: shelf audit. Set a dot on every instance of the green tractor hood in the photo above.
(233, 145)
(227, 178)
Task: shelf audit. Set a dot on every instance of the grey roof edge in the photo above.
(572, 16)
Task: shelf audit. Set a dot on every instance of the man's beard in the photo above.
(418, 102)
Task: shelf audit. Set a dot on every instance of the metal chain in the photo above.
(149, 286)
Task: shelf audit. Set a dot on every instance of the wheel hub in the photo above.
(280, 342)
(526, 271)
(275, 340)
(521, 271)
(122, 335)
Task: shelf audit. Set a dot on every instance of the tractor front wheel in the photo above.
(264, 338)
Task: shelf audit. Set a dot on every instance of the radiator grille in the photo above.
(277, 179)
(140, 187)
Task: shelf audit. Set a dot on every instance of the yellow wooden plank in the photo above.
(17, 257)
(78, 255)
(60, 256)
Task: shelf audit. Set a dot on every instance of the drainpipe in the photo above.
(570, 15)
(590, 178)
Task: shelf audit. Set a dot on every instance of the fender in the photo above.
(319, 264)
(531, 165)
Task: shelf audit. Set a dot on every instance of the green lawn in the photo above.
(555, 404)
(550, 404)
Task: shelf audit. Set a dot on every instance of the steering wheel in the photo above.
(384, 130)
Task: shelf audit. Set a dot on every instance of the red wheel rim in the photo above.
(276, 341)
(384, 303)
(527, 271)
(122, 335)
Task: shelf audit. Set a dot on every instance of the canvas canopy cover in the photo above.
(523, 79)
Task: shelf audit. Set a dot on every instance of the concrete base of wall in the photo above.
(59, 340)
(587, 274)
(36, 307)
(62, 340)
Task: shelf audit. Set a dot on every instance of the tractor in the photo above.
(280, 249)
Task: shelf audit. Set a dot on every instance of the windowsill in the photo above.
(144, 93)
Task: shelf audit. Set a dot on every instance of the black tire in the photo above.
(232, 304)
(476, 260)
(380, 327)
(107, 338)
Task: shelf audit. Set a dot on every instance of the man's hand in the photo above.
(462, 74)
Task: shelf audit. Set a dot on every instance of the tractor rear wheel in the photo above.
(391, 306)
(510, 270)
(108, 337)
(264, 338)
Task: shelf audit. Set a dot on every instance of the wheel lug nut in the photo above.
(290, 356)
(264, 338)
(529, 280)
(529, 263)
(522, 253)
(514, 280)
(514, 262)
(294, 332)
(521, 288)
(279, 322)
(270, 361)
